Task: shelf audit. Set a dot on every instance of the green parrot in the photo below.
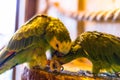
(32, 40)
(102, 49)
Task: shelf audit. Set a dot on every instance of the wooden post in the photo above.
(30, 9)
(16, 27)
(81, 24)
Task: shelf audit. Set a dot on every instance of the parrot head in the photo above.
(58, 36)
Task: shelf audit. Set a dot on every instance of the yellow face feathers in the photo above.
(63, 47)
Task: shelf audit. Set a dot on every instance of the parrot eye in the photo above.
(57, 45)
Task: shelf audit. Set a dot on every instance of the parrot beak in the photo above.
(58, 54)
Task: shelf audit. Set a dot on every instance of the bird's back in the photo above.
(101, 46)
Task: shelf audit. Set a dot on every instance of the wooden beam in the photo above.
(30, 9)
(37, 74)
(16, 27)
(80, 24)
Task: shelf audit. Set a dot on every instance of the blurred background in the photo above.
(77, 15)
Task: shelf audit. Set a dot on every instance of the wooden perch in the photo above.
(36, 74)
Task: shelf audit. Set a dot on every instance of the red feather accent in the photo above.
(9, 53)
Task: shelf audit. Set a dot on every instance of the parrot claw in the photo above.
(55, 66)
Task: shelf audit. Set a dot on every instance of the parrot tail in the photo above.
(5, 56)
(6, 61)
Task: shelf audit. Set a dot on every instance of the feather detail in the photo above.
(9, 54)
(7, 57)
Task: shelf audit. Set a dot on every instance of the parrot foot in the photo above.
(55, 66)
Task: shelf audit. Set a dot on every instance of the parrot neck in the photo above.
(71, 56)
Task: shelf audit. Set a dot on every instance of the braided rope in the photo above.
(103, 15)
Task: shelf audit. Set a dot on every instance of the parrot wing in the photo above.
(25, 37)
(101, 46)
(28, 33)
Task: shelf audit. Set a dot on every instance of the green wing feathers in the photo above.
(29, 33)
(23, 41)
(102, 48)
(34, 27)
